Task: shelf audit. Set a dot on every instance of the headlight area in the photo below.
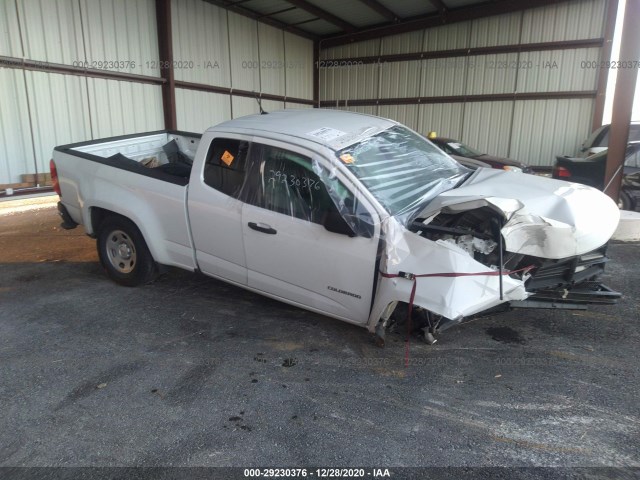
(570, 283)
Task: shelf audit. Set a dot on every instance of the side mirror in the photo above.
(334, 222)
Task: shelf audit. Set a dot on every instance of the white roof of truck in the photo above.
(332, 128)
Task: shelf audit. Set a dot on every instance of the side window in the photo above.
(632, 159)
(602, 140)
(288, 185)
(226, 164)
(634, 133)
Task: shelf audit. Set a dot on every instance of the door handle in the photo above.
(262, 227)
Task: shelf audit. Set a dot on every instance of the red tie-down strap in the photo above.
(414, 279)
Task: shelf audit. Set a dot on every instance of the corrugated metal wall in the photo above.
(534, 131)
(223, 49)
(42, 109)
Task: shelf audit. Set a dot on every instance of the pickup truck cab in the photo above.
(343, 214)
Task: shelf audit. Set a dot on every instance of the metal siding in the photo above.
(569, 75)
(299, 63)
(363, 81)
(244, 106)
(10, 44)
(564, 21)
(272, 60)
(51, 30)
(349, 83)
(200, 36)
(443, 118)
(487, 125)
(272, 105)
(367, 110)
(442, 77)
(447, 37)
(334, 83)
(122, 31)
(367, 48)
(59, 112)
(399, 79)
(405, 114)
(196, 111)
(121, 108)
(492, 74)
(410, 42)
(543, 129)
(496, 30)
(16, 149)
(245, 56)
(292, 105)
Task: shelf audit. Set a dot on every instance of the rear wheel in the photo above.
(625, 202)
(124, 254)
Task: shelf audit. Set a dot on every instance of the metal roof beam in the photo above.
(439, 4)
(277, 12)
(323, 14)
(482, 10)
(240, 10)
(381, 9)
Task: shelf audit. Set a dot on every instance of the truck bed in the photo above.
(164, 155)
(109, 175)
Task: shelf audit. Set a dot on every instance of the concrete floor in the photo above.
(190, 371)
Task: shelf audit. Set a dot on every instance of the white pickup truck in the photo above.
(343, 214)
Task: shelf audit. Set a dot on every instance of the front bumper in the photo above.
(569, 283)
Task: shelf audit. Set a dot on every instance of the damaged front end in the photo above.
(469, 255)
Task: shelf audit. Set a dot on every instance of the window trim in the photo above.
(325, 162)
(226, 136)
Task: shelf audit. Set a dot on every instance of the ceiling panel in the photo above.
(406, 9)
(320, 27)
(293, 16)
(353, 11)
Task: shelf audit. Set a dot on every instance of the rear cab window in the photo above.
(225, 167)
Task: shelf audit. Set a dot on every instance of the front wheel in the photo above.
(124, 254)
(625, 202)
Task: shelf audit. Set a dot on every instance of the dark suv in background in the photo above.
(591, 171)
(456, 148)
(598, 141)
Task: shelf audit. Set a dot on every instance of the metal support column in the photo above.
(603, 75)
(165, 50)
(623, 98)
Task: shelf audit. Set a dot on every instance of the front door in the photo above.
(215, 213)
(289, 252)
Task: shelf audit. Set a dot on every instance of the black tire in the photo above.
(625, 202)
(124, 254)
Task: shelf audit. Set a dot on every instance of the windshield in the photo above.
(402, 170)
(463, 150)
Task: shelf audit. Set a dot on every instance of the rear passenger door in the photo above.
(215, 213)
(290, 254)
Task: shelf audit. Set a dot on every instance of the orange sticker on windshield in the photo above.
(227, 158)
(347, 158)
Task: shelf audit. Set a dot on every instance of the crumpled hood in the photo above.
(544, 217)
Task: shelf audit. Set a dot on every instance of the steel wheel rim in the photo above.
(121, 251)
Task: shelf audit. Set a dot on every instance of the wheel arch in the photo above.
(98, 215)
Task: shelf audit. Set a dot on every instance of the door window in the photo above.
(284, 181)
(632, 159)
(226, 164)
